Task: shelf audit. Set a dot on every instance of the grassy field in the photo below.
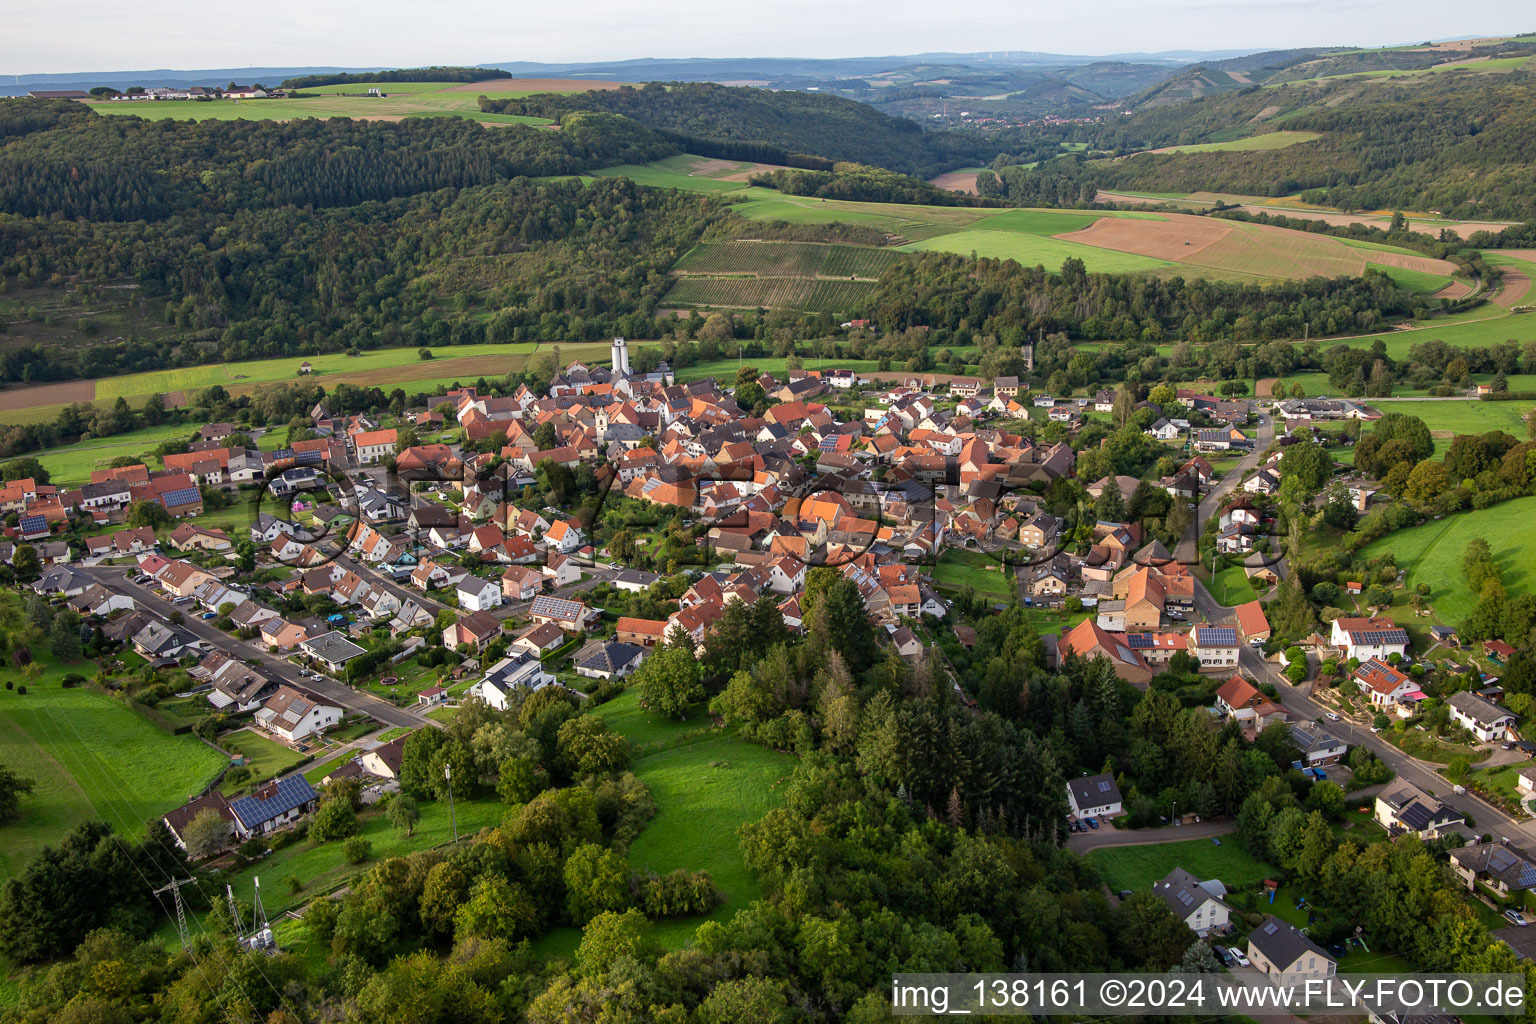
(983, 574)
(1431, 553)
(1137, 867)
(1271, 140)
(1415, 280)
(1466, 417)
(92, 758)
(401, 99)
(705, 783)
(1031, 249)
(72, 463)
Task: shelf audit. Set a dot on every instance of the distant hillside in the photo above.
(1460, 142)
(433, 74)
(737, 119)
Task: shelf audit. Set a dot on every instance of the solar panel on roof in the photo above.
(182, 496)
(1140, 641)
(1185, 898)
(1270, 928)
(31, 523)
(294, 791)
(1104, 786)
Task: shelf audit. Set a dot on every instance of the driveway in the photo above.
(1185, 551)
(1107, 836)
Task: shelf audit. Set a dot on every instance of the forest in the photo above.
(787, 122)
(433, 74)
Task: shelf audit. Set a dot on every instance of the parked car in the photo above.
(1093, 823)
(1237, 954)
(1224, 956)
(1332, 717)
(209, 615)
(1516, 918)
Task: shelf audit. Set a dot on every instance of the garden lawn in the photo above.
(1137, 867)
(988, 576)
(266, 758)
(92, 757)
(647, 731)
(1230, 587)
(1431, 552)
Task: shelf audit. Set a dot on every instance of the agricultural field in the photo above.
(72, 464)
(92, 757)
(770, 292)
(1431, 553)
(1252, 143)
(400, 100)
(690, 173)
(785, 259)
(1137, 867)
(1464, 416)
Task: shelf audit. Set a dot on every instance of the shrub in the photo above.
(73, 679)
(22, 689)
(357, 849)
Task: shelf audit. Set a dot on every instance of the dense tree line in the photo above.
(797, 122)
(83, 165)
(434, 74)
(1001, 297)
(864, 184)
(524, 260)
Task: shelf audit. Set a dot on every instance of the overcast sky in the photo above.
(111, 35)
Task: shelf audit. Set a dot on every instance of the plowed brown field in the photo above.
(1255, 249)
(48, 394)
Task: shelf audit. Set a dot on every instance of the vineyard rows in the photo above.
(786, 259)
(798, 293)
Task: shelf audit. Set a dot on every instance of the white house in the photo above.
(1403, 807)
(1198, 904)
(1382, 683)
(1215, 647)
(1482, 718)
(374, 445)
(1365, 638)
(521, 669)
(1094, 796)
(564, 535)
(478, 595)
(293, 715)
(1318, 747)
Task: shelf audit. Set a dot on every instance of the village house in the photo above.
(1404, 809)
(1281, 952)
(1482, 718)
(1094, 796)
(607, 659)
(293, 716)
(539, 639)
(476, 629)
(1198, 904)
(1365, 638)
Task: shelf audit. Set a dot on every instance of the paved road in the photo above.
(116, 579)
(1210, 504)
(1486, 817)
(1107, 836)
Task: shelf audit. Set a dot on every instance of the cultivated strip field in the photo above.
(748, 274)
(1255, 249)
(1271, 140)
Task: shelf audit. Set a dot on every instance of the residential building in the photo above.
(1280, 951)
(1364, 638)
(539, 639)
(1198, 904)
(273, 806)
(333, 650)
(607, 659)
(478, 595)
(476, 629)
(570, 616)
(1482, 718)
(1404, 809)
(1382, 683)
(1094, 796)
(1501, 867)
(503, 678)
(294, 716)
(1216, 647)
(1318, 747)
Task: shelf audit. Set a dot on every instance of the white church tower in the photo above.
(620, 358)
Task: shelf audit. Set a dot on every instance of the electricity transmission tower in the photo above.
(181, 914)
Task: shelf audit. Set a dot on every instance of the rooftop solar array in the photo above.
(294, 791)
(182, 496)
(1185, 898)
(1379, 636)
(1216, 636)
(34, 524)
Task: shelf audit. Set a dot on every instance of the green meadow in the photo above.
(92, 757)
(1431, 553)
